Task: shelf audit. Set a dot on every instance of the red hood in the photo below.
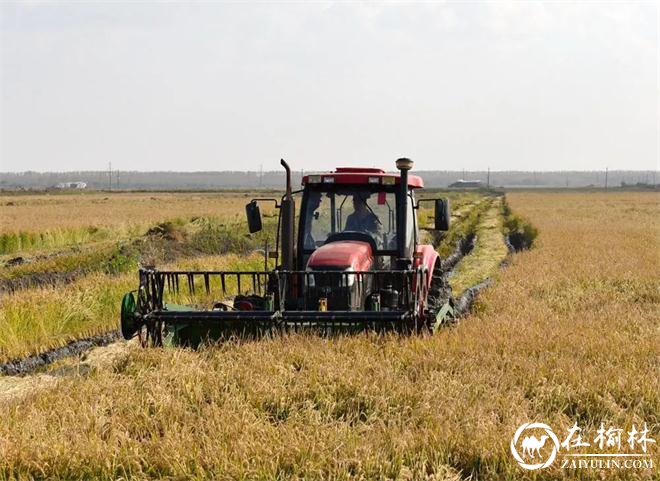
(356, 255)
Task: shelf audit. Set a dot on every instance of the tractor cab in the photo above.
(355, 207)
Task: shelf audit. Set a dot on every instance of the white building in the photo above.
(71, 185)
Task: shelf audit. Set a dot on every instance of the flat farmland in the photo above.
(43, 212)
(567, 332)
(31, 222)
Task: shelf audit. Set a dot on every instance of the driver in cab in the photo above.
(362, 219)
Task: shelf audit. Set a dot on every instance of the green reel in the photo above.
(129, 322)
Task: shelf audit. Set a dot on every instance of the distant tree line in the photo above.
(240, 180)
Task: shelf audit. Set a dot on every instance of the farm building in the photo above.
(467, 184)
(71, 185)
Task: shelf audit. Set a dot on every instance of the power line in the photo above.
(606, 172)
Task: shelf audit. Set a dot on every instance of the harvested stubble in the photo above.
(568, 333)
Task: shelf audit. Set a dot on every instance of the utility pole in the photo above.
(488, 179)
(606, 172)
(109, 175)
(117, 181)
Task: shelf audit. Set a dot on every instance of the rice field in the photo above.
(568, 332)
(38, 213)
(38, 222)
(72, 292)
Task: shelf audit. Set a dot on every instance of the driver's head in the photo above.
(359, 203)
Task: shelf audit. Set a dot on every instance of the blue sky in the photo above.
(233, 86)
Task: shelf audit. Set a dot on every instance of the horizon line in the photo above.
(310, 171)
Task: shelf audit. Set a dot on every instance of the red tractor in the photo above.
(357, 263)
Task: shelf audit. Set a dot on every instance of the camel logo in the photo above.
(533, 454)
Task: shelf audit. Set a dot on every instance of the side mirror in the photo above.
(253, 217)
(442, 214)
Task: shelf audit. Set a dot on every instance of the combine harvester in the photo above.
(356, 264)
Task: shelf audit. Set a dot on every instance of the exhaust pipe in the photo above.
(288, 210)
(404, 165)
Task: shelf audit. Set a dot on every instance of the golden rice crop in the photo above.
(48, 212)
(569, 332)
(38, 319)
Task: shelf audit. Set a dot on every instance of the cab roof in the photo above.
(361, 175)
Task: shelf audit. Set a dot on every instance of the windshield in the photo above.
(350, 210)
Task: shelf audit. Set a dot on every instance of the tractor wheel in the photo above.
(440, 300)
(129, 323)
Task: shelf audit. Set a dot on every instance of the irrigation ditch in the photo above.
(518, 236)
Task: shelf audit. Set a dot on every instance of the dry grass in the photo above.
(568, 333)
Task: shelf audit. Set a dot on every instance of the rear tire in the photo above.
(439, 295)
